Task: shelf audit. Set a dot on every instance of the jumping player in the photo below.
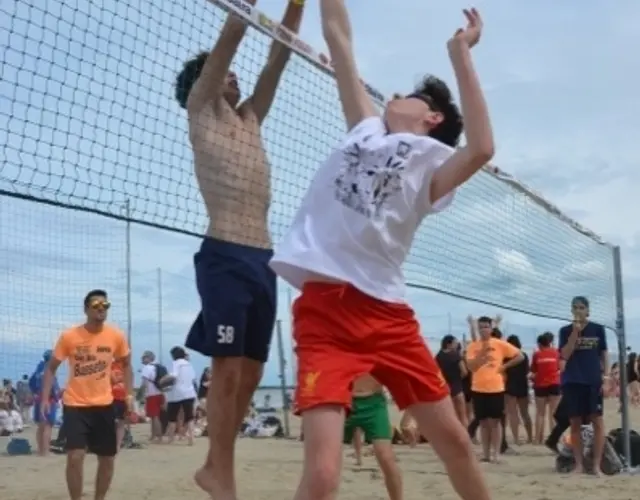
(236, 286)
(89, 414)
(370, 415)
(346, 247)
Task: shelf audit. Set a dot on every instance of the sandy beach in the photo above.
(268, 469)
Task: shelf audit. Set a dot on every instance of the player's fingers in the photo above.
(470, 18)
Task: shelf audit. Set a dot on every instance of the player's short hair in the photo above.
(97, 293)
(188, 76)
(439, 94)
(446, 341)
(514, 340)
(178, 353)
(485, 320)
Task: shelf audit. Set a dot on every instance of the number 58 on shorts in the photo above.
(226, 334)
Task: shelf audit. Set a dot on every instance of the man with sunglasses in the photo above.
(583, 347)
(89, 417)
(346, 247)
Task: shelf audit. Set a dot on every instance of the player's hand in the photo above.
(470, 320)
(578, 326)
(470, 35)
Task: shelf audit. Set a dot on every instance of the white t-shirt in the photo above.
(358, 218)
(148, 374)
(185, 376)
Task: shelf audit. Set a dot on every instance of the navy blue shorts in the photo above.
(581, 400)
(238, 295)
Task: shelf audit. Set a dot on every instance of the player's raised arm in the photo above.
(279, 54)
(336, 28)
(479, 148)
(203, 79)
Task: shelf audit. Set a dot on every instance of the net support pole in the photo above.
(127, 213)
(283, 379)
(622, 354)
(160, 346)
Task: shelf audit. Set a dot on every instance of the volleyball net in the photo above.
(89, 120)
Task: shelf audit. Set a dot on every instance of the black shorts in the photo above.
(582, 400)
(91, 428)
(120, 409)
(488, 405)
(186, 405)
(519, 391)
(545, 392)
(238, 295)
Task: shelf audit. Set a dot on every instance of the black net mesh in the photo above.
(88, 119)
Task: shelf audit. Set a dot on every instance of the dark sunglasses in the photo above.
(100, 304)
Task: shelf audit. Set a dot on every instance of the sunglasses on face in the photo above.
(100, 304)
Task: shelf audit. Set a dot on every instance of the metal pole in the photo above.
(127, 207)
(294, 359)
(283, 379)
(159, 271)
(622, 356)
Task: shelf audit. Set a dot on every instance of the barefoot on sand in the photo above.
(204, 480)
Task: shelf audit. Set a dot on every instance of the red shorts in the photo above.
(342, 333)
(153, 405)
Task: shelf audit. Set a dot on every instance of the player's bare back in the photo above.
(233, 172)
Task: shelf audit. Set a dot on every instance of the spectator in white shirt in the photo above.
(182, 395)
(154, 399)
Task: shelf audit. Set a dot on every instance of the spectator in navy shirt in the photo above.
(583, 345)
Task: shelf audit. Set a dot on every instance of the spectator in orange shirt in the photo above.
(486, 360)
(89, 412)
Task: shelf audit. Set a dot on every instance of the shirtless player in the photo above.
(237, 288)
(346, 247)
(370, 415)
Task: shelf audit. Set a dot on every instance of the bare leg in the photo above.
(74, 473)
(120, 427)
(322, 427)
(523, 409)
(486, 429)
(383, 451)
(599, 441)
(496, 438)
(233, 383)
(513, 418)
(357, 445)
(576, 443)
(461, 409)
(41, 443)
(104, 475)
(450, 440)
(541, 409)
(171, 432)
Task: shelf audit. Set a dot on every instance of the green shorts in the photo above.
(371, 415)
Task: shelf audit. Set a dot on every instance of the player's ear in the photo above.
(433, 118)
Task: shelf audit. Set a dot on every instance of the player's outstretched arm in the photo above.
(336, 28)
(209, 85)
(279, 54)
(479, 148)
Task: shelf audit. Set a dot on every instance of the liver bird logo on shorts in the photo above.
(309, 384)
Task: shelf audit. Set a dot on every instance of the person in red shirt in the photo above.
(119, 399)
(545, 372)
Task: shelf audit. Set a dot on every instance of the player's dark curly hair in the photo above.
(188, 76)
(450, 130)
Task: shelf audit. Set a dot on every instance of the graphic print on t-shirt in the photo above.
(369, 176)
